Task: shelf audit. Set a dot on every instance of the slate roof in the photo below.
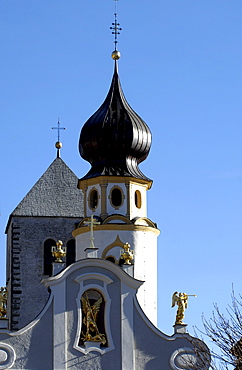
(55, 194)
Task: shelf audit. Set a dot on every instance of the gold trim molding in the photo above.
(82, 184)
(117, 243)
(121, 227)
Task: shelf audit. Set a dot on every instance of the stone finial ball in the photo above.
(58, 145)
(116, 55)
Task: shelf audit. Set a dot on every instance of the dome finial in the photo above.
(58, 144)
(115, 31)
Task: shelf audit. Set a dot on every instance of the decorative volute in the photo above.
(115, 139)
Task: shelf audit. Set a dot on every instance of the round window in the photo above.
(93, 199)
(137, 197)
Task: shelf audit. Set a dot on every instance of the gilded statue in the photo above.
(3, 302)
(58, 252)
(181, 300)
(90, 321)
(128, 255)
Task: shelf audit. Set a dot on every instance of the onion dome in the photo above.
(114, 140)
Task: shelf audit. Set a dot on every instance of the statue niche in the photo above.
(93, 328)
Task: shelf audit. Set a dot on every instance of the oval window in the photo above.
(137, 197)
(116, 197)
(93, 200)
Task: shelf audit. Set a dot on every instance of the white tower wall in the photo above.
(110, 238)
(133, 200)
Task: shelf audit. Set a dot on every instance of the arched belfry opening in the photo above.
(48, 258)
(70, 252)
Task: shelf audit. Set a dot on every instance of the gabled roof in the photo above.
(55, 194)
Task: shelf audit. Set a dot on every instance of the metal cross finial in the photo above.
(58, 128)
(115, 29)
(92, 223)
(58, 144)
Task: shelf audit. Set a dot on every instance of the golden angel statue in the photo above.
(90, 320)
(3, 302)
(181, 300)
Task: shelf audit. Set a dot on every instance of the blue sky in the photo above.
(181, 72)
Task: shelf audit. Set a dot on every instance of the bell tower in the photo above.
(115, 140)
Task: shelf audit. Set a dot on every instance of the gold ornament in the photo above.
(116, 55)
(90, 321)
(181, 300)
(128, 255)
(3, 302)
(58, 252)
(58, 145)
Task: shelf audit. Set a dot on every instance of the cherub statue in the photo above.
(180, 299)
(3, 301)
(90, 321)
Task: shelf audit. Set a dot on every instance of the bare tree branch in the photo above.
(225, 332)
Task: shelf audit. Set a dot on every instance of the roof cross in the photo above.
(58, 144)
(115, 30)
(92, 223)
(58, 128)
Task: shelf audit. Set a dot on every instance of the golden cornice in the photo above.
(104, 180)
(117, 227)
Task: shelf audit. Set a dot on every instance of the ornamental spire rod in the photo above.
(115, 31)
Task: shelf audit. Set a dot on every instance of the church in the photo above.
(81, 279)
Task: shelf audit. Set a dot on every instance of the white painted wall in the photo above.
(134, 211)
(144, 245)
(123, 209)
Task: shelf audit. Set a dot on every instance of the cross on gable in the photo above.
(92, 222)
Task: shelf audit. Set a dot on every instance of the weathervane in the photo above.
(115, 31)
(58, 144)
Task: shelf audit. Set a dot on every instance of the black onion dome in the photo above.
(115, 139)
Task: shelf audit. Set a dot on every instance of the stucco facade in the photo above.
(52, 340)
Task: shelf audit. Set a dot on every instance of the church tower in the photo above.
(46, 214)
(92, 304)
(115, 140)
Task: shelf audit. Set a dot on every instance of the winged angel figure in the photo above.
(90, 321)
(180, 299)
